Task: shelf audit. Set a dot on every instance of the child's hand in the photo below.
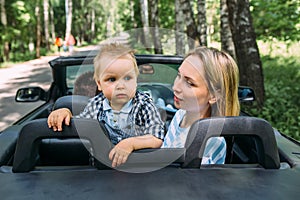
(120, 152)
(57, 117)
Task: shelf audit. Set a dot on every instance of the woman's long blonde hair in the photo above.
(222, 79)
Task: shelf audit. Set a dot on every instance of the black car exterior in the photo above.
(36, 163)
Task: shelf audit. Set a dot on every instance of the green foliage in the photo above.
(278, 19)
(166, 12)
(282, 106)
(60, 17)
(125, 14)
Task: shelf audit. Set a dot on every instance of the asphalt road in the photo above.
(32, 73)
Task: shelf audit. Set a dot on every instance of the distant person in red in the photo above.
(70, 43)
(58, 42)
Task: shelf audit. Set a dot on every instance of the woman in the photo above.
(206, 86)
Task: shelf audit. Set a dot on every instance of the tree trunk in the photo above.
(38, 29)
(145, 22)
(155, 24)
(191, 28)
(179, 26)
(202, 26)
(52, 24)
(3, 13)
(93, 26)
(46, 23)
(4, 23)
(247, 53)
(226, 36)
(136, 20)
(68, 7)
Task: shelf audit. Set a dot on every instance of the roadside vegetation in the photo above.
(282, 90)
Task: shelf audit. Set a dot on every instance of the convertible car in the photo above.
(38, 163)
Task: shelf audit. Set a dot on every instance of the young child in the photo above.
(131, 118)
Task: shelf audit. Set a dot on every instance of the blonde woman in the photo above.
(206, 85)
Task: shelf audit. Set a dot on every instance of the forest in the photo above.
(29, 28)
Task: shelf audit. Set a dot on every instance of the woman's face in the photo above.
(190, 89)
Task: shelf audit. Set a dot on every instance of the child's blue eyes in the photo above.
(126, 78)
(111, 79)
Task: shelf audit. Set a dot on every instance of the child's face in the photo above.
(118, 81)
(190, 89)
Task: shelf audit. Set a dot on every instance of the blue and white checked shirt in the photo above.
(138, 117)
(215, 149)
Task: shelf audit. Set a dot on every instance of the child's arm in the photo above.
(122, 150)
(57, 117)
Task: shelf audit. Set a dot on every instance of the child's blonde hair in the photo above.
(113, 51)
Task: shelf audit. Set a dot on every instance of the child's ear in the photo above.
(98, 85)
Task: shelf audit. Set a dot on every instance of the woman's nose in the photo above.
(176, 86)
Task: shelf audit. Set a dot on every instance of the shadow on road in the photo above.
(32, 73)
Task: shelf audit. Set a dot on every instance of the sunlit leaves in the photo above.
(22, 14)
(278, 19)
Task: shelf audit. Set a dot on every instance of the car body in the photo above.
(37, 163)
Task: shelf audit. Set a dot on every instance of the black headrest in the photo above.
(75, 103)
(95, 132)
(261, 131)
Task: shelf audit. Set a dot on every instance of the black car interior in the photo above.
(86, 139)
(76, 145)
(250, 141)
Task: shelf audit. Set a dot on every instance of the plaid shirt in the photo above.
(143, 118)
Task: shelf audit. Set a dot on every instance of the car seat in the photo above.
(259, 130)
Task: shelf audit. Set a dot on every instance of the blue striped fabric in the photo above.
(215, 149)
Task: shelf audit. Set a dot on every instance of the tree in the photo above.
(247, 53)
(191, 29)
(52, 25)
(179, 26)
(155, 24)
(4, 36)
(226, 35)
(145, 22)
(213, 21)
(46, 23)
(69, 13)
(202, 25)
(93, 23)
(38, 29)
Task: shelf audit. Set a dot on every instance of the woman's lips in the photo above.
(176, 99)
